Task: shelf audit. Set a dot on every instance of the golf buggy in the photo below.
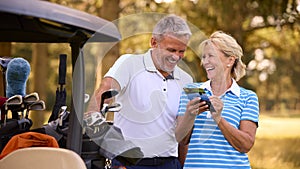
(35, 21)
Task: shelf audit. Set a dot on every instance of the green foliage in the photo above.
(270, 26)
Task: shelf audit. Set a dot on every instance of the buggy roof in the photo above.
(42, 21)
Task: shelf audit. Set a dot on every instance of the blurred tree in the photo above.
(110, 11)
(271, 27)
(39, 79)
(39, 69)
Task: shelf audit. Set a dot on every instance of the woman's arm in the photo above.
(185, 123)
(241, 139)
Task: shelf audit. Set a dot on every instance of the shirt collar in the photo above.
(149, 65)
(234, 88)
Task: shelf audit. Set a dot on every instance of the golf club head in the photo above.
(114, 107)
(31, 98)
(62, 111)
(63, 115)
(109, 93)
(106, 95)
(15, 105)
(38, 105)
(14, 100)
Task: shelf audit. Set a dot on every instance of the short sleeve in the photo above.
(251, 110)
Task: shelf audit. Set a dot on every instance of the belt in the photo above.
(155, 161)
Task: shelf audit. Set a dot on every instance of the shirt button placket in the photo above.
(164, 85)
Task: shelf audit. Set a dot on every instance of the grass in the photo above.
(277, 144)
(278, 127)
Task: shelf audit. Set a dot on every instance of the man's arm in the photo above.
(106, 84)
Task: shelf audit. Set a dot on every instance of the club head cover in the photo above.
(17, 72)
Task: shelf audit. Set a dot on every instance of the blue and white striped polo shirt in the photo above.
(208, 147)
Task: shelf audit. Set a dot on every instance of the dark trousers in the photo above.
(153, 163)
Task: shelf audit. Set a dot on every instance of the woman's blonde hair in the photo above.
(229, 46)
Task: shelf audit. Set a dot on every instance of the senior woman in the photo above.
(220, 138)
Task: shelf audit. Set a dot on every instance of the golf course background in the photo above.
(277, 144)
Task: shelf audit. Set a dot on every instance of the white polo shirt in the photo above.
(150, 103)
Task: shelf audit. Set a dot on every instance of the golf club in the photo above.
(14, 104)
(106, 95)
(38, 105)
(114, 107)
(14, 100)
(28, 100)
(62, 115)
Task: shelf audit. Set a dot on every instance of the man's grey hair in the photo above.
(171, 25)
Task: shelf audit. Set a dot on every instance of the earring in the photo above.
(228, 65)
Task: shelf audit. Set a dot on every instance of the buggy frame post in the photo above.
(74, 139)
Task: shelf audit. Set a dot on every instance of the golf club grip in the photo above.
(62, 69)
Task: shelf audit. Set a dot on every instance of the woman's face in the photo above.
(168, 52)
(215, 62)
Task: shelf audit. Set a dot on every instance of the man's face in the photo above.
(168, 52)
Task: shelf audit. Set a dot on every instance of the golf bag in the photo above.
(101, 142)
(16, 104)
(12, 128)
(108, 141)
(19, 106)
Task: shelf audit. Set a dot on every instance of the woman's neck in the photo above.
(219, 87)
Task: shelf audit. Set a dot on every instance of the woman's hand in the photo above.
(218, 105)
(196, 106)
(185, 123)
